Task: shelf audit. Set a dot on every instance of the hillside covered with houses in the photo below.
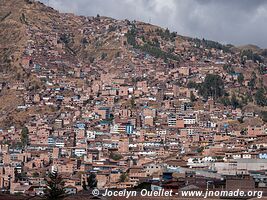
(129, 102)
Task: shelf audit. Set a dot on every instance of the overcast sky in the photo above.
(228, 21)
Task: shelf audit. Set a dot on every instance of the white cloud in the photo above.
(235, 21)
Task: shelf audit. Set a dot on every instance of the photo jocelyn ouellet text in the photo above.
(170, 193)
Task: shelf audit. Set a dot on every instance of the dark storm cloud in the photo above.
(228, 21)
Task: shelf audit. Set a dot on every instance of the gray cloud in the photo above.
(228, 21)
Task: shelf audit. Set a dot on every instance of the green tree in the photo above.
(132, 102)
(200, 149)
(123, 177)
(24, 136)
(91, 181)
(55, 186)
(262, 69)
(144, 185)
(91, 59)
(249, 55)
(115, 156)
(131, 37)
(260, 98)
(16, 174)
(103, 56)
(240, 79)
(118, 54)
(84, 184)
(229, 69)
(252, 82)
(192, 84)
(35, 174)
(225, 101)
(213, 86)
(234, 101)
(264, 116)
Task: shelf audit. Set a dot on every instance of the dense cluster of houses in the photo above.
(129, 119)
